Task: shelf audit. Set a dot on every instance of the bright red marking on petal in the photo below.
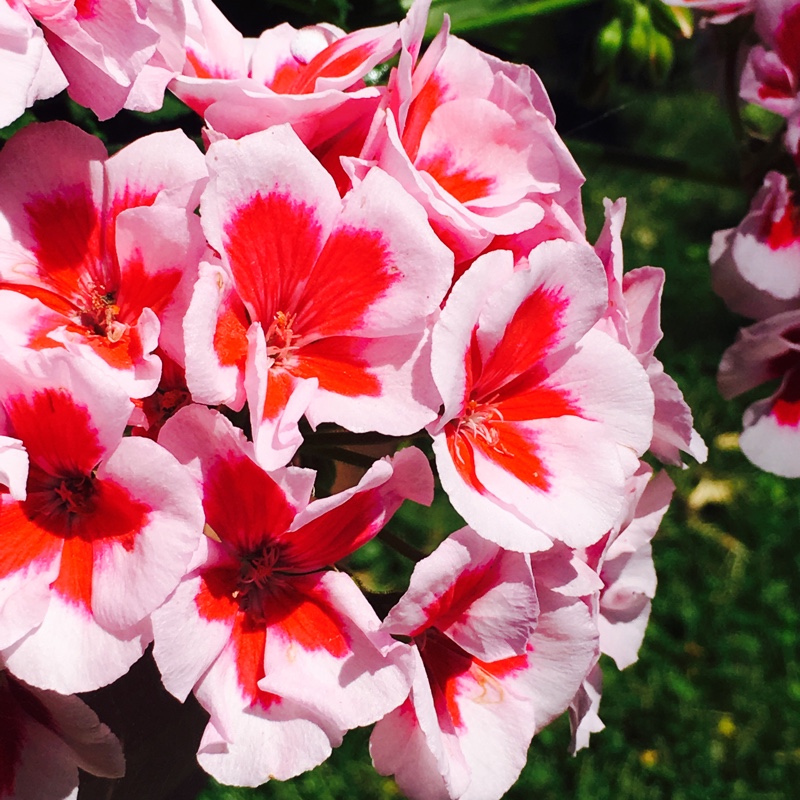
(296, 78)
(67, 238)
(58, 432)
(536, 402)
(534, 331)
(786, 230)
(463, 456)
(337, 364)
(299, 608)
(280, 385)
(140, 289)
(22, 541)
(431, 96)
(337, 533)
(87, 9)
(215, 599)
(456, 676)
(786, 407)
(74, 581)
(249, 637)
(354, 270)
(467, 587)
(120, 354)
(244, 506)
(230, 333)
(515, 452)
(272, 243)
(88, 515)
(460, 181)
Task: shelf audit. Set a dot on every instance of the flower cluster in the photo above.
(183, 332)
(755, 266)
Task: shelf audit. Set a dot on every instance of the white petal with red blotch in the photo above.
(132, 578)
(69, 652)
(215, 330)
(268, 209)
(582, 492)
(771, 432)
(564, 289)
(246, 743)
(27, 568)
(105, 405)
(453, 331)
(410, 744)
(324, 649)
(381, 384)
(329, 529)
(49, 201)
(13, 466)
(382, 270)
(488, 168)
(277, 400)
(477, 594)
(187, 641)
(163, 167)
(159, 250)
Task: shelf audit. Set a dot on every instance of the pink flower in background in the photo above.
(755, 267)
(543, 417)
(633, 318)
(722, 11)
(45, 738)
(339, 294)
(285, 654)
(762, 352)
(101, 535)
(499, 655)
(99, 255)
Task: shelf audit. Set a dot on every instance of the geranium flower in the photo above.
(339, 293)
(283, 652)
(543, 418)
(102, 535)
(45, 737)
(101, 252)
(472, 138)
(499, 656)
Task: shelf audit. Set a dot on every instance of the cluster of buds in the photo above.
(185, 332)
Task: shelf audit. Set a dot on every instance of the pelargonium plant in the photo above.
(755, 267)
(202, 344)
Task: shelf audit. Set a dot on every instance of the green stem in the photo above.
(402, 547)
(520, 11)
(346, 456)
(655, 165)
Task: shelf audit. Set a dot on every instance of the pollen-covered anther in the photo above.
(477, 421)
(280, 336)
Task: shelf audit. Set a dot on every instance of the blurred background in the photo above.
(644, 101)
